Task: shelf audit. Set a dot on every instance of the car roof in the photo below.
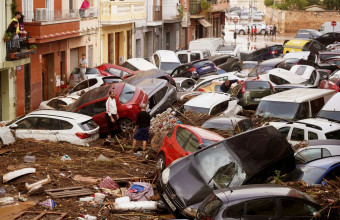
(68, 99)
(272, 62)
(333, 104)
(298, 95)
(331, 58)
(324, 163)
(325, 125)
(141, 64)
(203, 133)
(79, 118)
(153, 73)
(151, 85)
(108, 65)
(207, 100)
(167, 56)
(248, 192)
(296, 42)
(226, 120)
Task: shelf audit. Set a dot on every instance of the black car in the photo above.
(263, 201)
(227, 63)
(265, 53)
(247, 158)
(311, 33)
(195, 69)
(235, 124)
(329, 38)
(150, 74)
(161, 94)
(265, 66)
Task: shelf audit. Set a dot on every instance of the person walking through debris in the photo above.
(82, 67)
(111, 115)
(141, 128)
(274, 31)
(252, 32)
(225, 87)
(266, 31)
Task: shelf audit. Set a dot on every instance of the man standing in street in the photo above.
(225, 87)
(82, 67)
(142, 127)
(111, 115)
(274, 32)
(266, 31)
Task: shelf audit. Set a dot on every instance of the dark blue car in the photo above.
(195, 69)
(265, 53)
(315, 171)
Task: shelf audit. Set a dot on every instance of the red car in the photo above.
(107, 69)
(128, 99)
(332, 83)
(182, 141)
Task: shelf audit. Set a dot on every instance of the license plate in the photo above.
(169, 202)
(257, 99)
(205, 68)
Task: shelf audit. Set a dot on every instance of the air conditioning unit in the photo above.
(41, 14)
(158, 8)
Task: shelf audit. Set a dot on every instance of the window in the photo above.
(64, 125)
(85, 110)
(88, 125)
(114, 71)
(316, 105)
(284, 131)
(235, 211)
(98, 107)
(194, 57)
(325, 153)
(182, 135)
(219, 108)
(217, 62)
(298, 134)
(300, 70)
(85, 84)
(28, 123)
(261, 207)
(127, 93)
(312, 78)
(310, 154)
(206, 54)
(48, 124)
(160, 94)
(210, 208)
(183, 58)
(291, 207)
(312, 136)
(303, 111)
(333, 173)
(333, 135)
(192, 144)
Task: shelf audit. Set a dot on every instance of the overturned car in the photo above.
(247, 158)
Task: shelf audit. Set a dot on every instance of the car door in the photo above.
(160, 101)
(65, 132)
(27, 127)
(296, 209)
(297, 136)
(98, 111)
(178, 143)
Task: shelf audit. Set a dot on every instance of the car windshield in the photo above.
(257, 85)
(223, 171)
(197, 109)
(284, 110)
(335, 77)
(258, 70)
(332, 115)
(168, 67)
(308, 174)
(127, 93)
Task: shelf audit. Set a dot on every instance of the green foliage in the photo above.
(33, 46)
(8, 35)
(313, 2)
(268, 3)
(331, 4)
(181, 10)
(206, 7)
(14, 7)
(277, 177)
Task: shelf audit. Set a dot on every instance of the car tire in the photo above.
(262, 32)
(160, 164)
(125, 125)
(242, 32)
(235, 67)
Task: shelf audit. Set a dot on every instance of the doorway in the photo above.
(138, 48)
(116, 48)
(47, 76)
(27, 77)
(129, 43)
(110, 49)
(63, 77)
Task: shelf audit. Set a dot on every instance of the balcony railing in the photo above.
(195, 7)
(154, 13)
(44, 15)
(24, 49)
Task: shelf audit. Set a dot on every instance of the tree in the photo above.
(331, 4)
(268, 3)
(313, 2)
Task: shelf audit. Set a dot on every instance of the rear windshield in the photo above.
(284, 110)
(201, 63)
(88, 125)
(257, 85)
(129, 66)
(169, 66)
(93, 94)
(197, 109)
(332, 115)
(127, 93)
(92, 71)
(308, 174)
(258, 70)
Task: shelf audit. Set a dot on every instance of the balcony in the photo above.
(154, 13)
(122, 11)
(19, 55)
(170, 10)
(195, 7)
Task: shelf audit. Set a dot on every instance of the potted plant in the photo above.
(31, 40)
(33, 48)
(8, 37)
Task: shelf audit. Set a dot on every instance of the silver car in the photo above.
(89, 74)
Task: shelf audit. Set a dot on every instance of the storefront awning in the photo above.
(204, 23)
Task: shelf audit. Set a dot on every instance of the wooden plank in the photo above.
(59, 189)
(68, 192)
(41, 214)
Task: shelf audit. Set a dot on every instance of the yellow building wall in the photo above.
(123, 50)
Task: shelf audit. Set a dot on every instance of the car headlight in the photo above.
(165, 175)
(191, 212)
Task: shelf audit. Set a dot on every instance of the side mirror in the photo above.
(13, 126)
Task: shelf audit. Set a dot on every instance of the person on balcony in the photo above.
(13, 45)
(17, 16)
(84, 6)
(22, 31)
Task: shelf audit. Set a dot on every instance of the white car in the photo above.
(52, 126)
(135, 64)
(308, 129)
(331, 110)
(89, 84)
(317, 149)
(206, 80)
(211, 104)
(256, 17)
(166, 60)
(260, 28)
(229, 49)
(187, 56)
(89, 74)
(57, 103)
(183, 83)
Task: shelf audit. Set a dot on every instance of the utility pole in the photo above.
(271, 23)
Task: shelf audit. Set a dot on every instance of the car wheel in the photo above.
(125, 125)
(160, 165)
(262, 32)
(242, 32)
(235, 67)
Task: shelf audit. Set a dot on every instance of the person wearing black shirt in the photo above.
(142, 127)
(225, 87)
